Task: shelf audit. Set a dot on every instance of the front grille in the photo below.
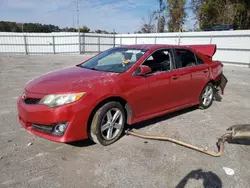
(31, 101)
(44, 128)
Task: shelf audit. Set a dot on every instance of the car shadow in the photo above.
(209, 179)
(88, 142)
(161, 118)
(82, 143)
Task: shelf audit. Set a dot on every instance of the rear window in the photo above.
(199, 60)
(186, 58)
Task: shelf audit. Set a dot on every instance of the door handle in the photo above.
(205, 71)
(175, 77)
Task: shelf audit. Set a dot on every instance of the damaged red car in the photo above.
(122, 85)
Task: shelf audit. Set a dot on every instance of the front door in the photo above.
(167, 85)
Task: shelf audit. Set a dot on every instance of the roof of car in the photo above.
(151, 46)
(206, 49)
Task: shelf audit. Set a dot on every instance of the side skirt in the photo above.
(150, 116)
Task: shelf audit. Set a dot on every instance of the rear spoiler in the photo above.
(206, 49)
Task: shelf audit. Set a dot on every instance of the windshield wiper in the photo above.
(91, 68)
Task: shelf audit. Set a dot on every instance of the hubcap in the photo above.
(207, 96)
(111, 124)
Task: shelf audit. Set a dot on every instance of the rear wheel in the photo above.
(107, 124)
(207, 96)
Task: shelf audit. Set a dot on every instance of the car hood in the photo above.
(67, 80)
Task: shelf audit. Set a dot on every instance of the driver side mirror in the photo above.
(143, 70)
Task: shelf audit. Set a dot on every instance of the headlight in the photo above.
(58, 100)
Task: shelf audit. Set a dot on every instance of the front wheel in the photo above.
(107, 124)
(207, 96)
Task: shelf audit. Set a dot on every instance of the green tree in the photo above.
(101, 31)
(160, 16)
(66, 29)
(27, 27)
(242, 15)
(9, 27)
(147, 25)
(85, 29)
(212, 12)
(176, 13)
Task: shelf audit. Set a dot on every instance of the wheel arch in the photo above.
(209, 81)
(213, 84)
(121, 100)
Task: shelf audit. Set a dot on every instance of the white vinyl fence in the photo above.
(232, 46)
(54, 43)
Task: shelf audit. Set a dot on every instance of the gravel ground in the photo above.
(30, 161)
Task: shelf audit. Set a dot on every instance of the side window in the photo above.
(186, 58)
(199, 60)
(159, 61)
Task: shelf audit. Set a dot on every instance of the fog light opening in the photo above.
(60, 128)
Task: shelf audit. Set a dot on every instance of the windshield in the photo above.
(115, 60)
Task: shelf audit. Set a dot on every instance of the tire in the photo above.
(103, 129)
(206, 100)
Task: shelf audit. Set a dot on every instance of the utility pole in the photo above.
(77, 9)
(78, 25)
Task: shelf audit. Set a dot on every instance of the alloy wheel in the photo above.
(111, 124)
(207, 96)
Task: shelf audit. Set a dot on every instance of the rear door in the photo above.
(167, 83)
(198, 70)
(181, 78)
(200, 76)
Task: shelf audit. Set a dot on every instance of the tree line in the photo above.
(171, 15)
(43, 28)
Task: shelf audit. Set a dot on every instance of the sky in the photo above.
(122, 15)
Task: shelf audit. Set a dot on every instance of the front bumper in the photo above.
(75, 114)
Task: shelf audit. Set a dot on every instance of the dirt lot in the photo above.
(30, 161)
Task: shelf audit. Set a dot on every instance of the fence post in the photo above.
(114, 40)
(120, 40)
(155, 39)
(79, 36)
(25, 45)
(99, 44)
(136, 39)
(211, 38)
(83, 43)
(53, 42)
(179, 38)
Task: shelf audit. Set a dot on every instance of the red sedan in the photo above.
(123, 85)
